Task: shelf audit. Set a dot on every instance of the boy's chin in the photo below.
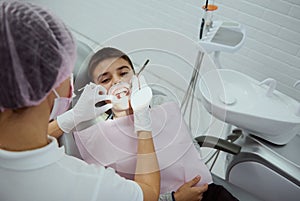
(120, 107)
(121, 104)
(121, 111)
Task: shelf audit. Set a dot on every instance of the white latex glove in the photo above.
(141, 95)
(85, 108)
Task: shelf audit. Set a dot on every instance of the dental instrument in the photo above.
(144, 66)
(206, 5)
(201, 28)
(91, 83)
(203, 21)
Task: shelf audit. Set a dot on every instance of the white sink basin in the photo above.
(239, 100)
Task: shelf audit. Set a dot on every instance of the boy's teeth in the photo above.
(121, 95)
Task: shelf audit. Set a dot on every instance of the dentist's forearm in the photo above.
(147, 168)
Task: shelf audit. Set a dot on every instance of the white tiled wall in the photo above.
(272, 47)
(273, 40)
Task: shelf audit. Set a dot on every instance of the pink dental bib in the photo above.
(113, 143)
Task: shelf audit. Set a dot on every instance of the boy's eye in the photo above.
(104, 81)
(124, 73)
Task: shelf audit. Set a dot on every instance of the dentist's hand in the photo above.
(85, 108)
(141, 95)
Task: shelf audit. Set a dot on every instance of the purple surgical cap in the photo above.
(37, 53)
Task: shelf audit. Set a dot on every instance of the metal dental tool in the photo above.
(144, 66)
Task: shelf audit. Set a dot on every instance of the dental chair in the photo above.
(68, 141)
(272, 168)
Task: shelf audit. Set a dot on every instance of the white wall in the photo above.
(272, 47)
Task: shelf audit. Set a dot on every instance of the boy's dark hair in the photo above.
(106, 53)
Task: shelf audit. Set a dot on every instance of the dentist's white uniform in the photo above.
(40, 169)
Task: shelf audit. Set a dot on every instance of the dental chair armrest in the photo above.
(218, 143)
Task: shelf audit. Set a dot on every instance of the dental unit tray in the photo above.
(223, 36)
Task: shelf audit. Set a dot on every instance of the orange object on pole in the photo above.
(210, 7)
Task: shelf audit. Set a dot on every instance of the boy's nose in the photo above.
(117, 80)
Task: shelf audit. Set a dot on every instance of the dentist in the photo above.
(37, 55)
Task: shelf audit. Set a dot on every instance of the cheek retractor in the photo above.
(120, 93)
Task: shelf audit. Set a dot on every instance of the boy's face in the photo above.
(112, 71)
(115, 75)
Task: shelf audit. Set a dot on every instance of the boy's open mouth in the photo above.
(121, 92)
